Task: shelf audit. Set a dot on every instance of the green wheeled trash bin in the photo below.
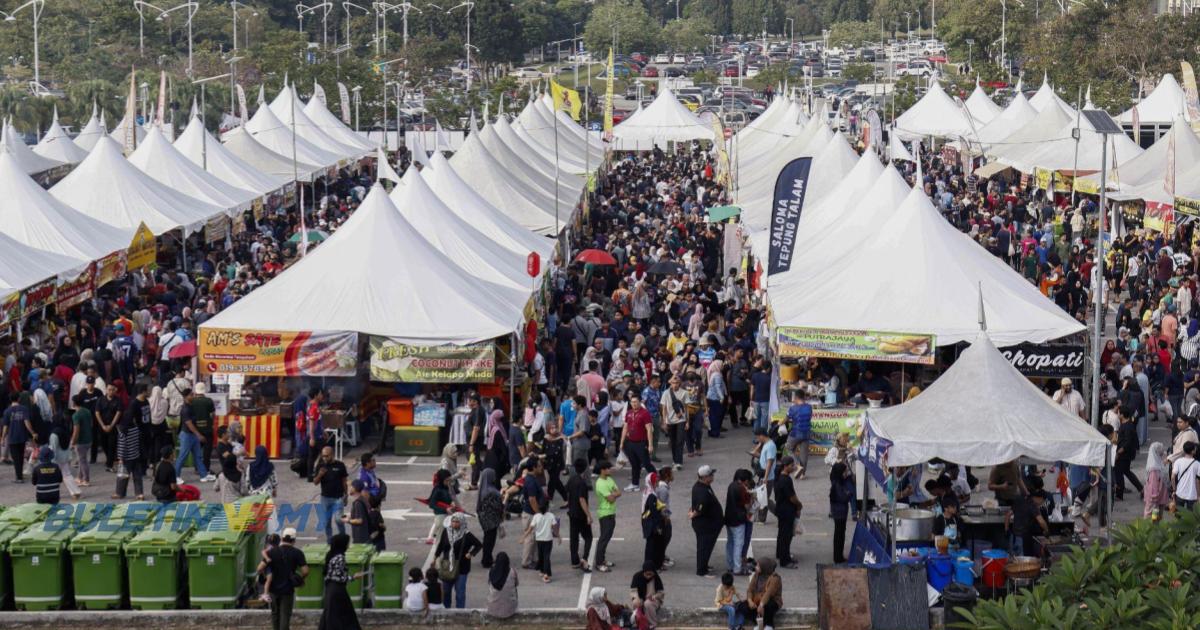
(41, 575)
(156, 568)
(216, 567)
(98, 566)
(251, 515)
(388, 579)
(25, 514)
(8, 531)
(311, 594)
(358, 560)
(133, 515)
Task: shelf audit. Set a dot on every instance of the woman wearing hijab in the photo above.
(456, 548)
(601, 613)
(646, 591)
(338, 609)
(717, 396)
(496, 441)
(131, 456)
(262, 473)
(502, 588)
(489, 508)
(653, 523)
(764, 596)
(589, 355)
(1110, 348)
(695, 325)
(1158, 492)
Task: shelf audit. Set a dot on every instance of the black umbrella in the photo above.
(665, 268)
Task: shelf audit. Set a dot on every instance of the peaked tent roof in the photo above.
(575, 164)
(107, 187)
(981, 107)
(118, 133)
(1018, 114)
(983, 412)
(476, 210)
(542, 125)
(199, 146)
(1061, 155)
(663, 120)
(1166, 101)
(247, 148)
(272, 133)
(830, 164)
(92, 131)
(1150, 166)
(572, 128)
(36, 218)
(57, 145)
(288, 105)
(317, 112)
(1047, 125)
(22, 266)
(377, 262)
(494, 182)
(28, 161)
(158, 158)
(922, 275)
(472, 250)
(896, 150)
(936, 114)
(533, 156)
(1046, 95)
(517, 167)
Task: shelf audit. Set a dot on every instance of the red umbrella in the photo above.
(596, 257)
(183, 350)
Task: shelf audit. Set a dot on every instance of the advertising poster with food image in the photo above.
(827, 424)
(862, 345)
(266, 353)
(395, 362)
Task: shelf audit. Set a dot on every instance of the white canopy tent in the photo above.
(92, 131)
(205, 151)
(567, 123)
(118, 134)
(317, 112)
(562, 195)
(467, 247)
(917, 273)
(1150, 166)
(575, 164)
(105, 186)
(983, 412)
(1046, 95)
(751, 165)
(937, 115)
(534, 158)
(663, 120)
(36, 218)
(528, 207)
(1046, 126)
(1064, 153)
(830, 164)
(1014, 117)
(787, 121)
(1160, 107)
(248, 149)
(399, 284)
(981, 107)
(287, 105)
(896, 150)
(574, 149)
(477, 211)
(272, 133)
(28, 161)
(158, 158)
(22, 266)
(57, 145)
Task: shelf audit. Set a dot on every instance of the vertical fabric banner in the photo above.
(790, 189)
(1137, 126)
(608, 99)
(1191, 94)
(241, 97)
(344, 96)
(319, 92)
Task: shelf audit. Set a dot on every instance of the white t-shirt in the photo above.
(414, 596)
(1184, 471)
(543, 527)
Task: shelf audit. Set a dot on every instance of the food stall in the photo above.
(981, 412)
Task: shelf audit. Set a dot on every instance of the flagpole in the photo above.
(554, 115)
(296, 177)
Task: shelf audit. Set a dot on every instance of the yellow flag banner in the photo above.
(608, 98)
(565, 99)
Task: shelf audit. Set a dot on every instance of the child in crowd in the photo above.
(727, 601)
(416, 594)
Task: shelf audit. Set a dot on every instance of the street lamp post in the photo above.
(908, 24)
(357, 99)
(469, 5)
(203, 104)
(791, 35)
(575, 50)
(36, 6)
(234, 4)
(346, 6)
(303, 9)
(383, 8)
(232, 61)
(141, 5)
(970, 46)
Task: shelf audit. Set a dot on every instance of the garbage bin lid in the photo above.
(27, 513)
(359, 554)
(164, 536)
(314, 554)
(390, 557)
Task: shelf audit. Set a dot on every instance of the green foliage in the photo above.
(861, 72)
(498, 31)
(688, 34)
(770, 76)
(633, 27)
(1144, 580)
(852, 34)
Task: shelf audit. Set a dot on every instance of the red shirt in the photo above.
(637, 422)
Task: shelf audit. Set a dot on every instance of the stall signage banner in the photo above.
(110, 268)
(216, 229)
(143, 251)
(873, 453)
(429, 415)
(861, 345)
(79, 289)
(1047, 360)
(1087, 186)
(826, 425)
(1159, 217)
(267, 353)
(790, 188)
(10, 308)
(38, 296)
(1190, 207)
(395, 362)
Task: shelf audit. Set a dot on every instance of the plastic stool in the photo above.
(350, 432)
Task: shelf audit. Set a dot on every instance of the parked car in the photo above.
(650, 72)
(639, 57)
(662, 58)
(867, 54)
(527, 72)
(673, 71)
(731, 71)
(916, 68)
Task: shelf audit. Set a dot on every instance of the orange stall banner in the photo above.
(266, 353)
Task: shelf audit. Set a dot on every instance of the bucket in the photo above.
(911, 558)
(939, 570)
(994, 562)
(964, 570)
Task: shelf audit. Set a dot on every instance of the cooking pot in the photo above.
(914, 524)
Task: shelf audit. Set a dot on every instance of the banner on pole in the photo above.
(344, 97)
(241, 96)
(790, 189)
(608, 99)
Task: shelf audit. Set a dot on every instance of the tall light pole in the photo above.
(324, 7)
(908, 24)
(232, 61)
(791, 35)
(357, 99)
(575, 47)
(234, 4)
(203, 104)
(141, 5)
(933, 18)
(383, 8)
(346, 6)
(1003, 31)
(970, 47)
(469, 5)
(36, 7)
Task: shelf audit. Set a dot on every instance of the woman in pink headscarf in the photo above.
(496, 441)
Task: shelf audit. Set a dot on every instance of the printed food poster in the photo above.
(265, 353)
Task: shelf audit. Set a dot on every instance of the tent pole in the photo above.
(512, 380)
(1108, 523)
(892, 516)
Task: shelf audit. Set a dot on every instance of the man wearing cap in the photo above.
(288, 568)
(1069, 399)
(707, 518)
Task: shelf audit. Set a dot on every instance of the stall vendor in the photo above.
(948, 523)
(872, 383)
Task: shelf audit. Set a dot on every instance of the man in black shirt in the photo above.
(288, 568)
(360, 514)
(787, 510)
(47, 477)
(333, 478)
(107, 410)
(737, 515)
(90, 397)
(707, 518)
(477, 426)
(164, 487)
(579, 515)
